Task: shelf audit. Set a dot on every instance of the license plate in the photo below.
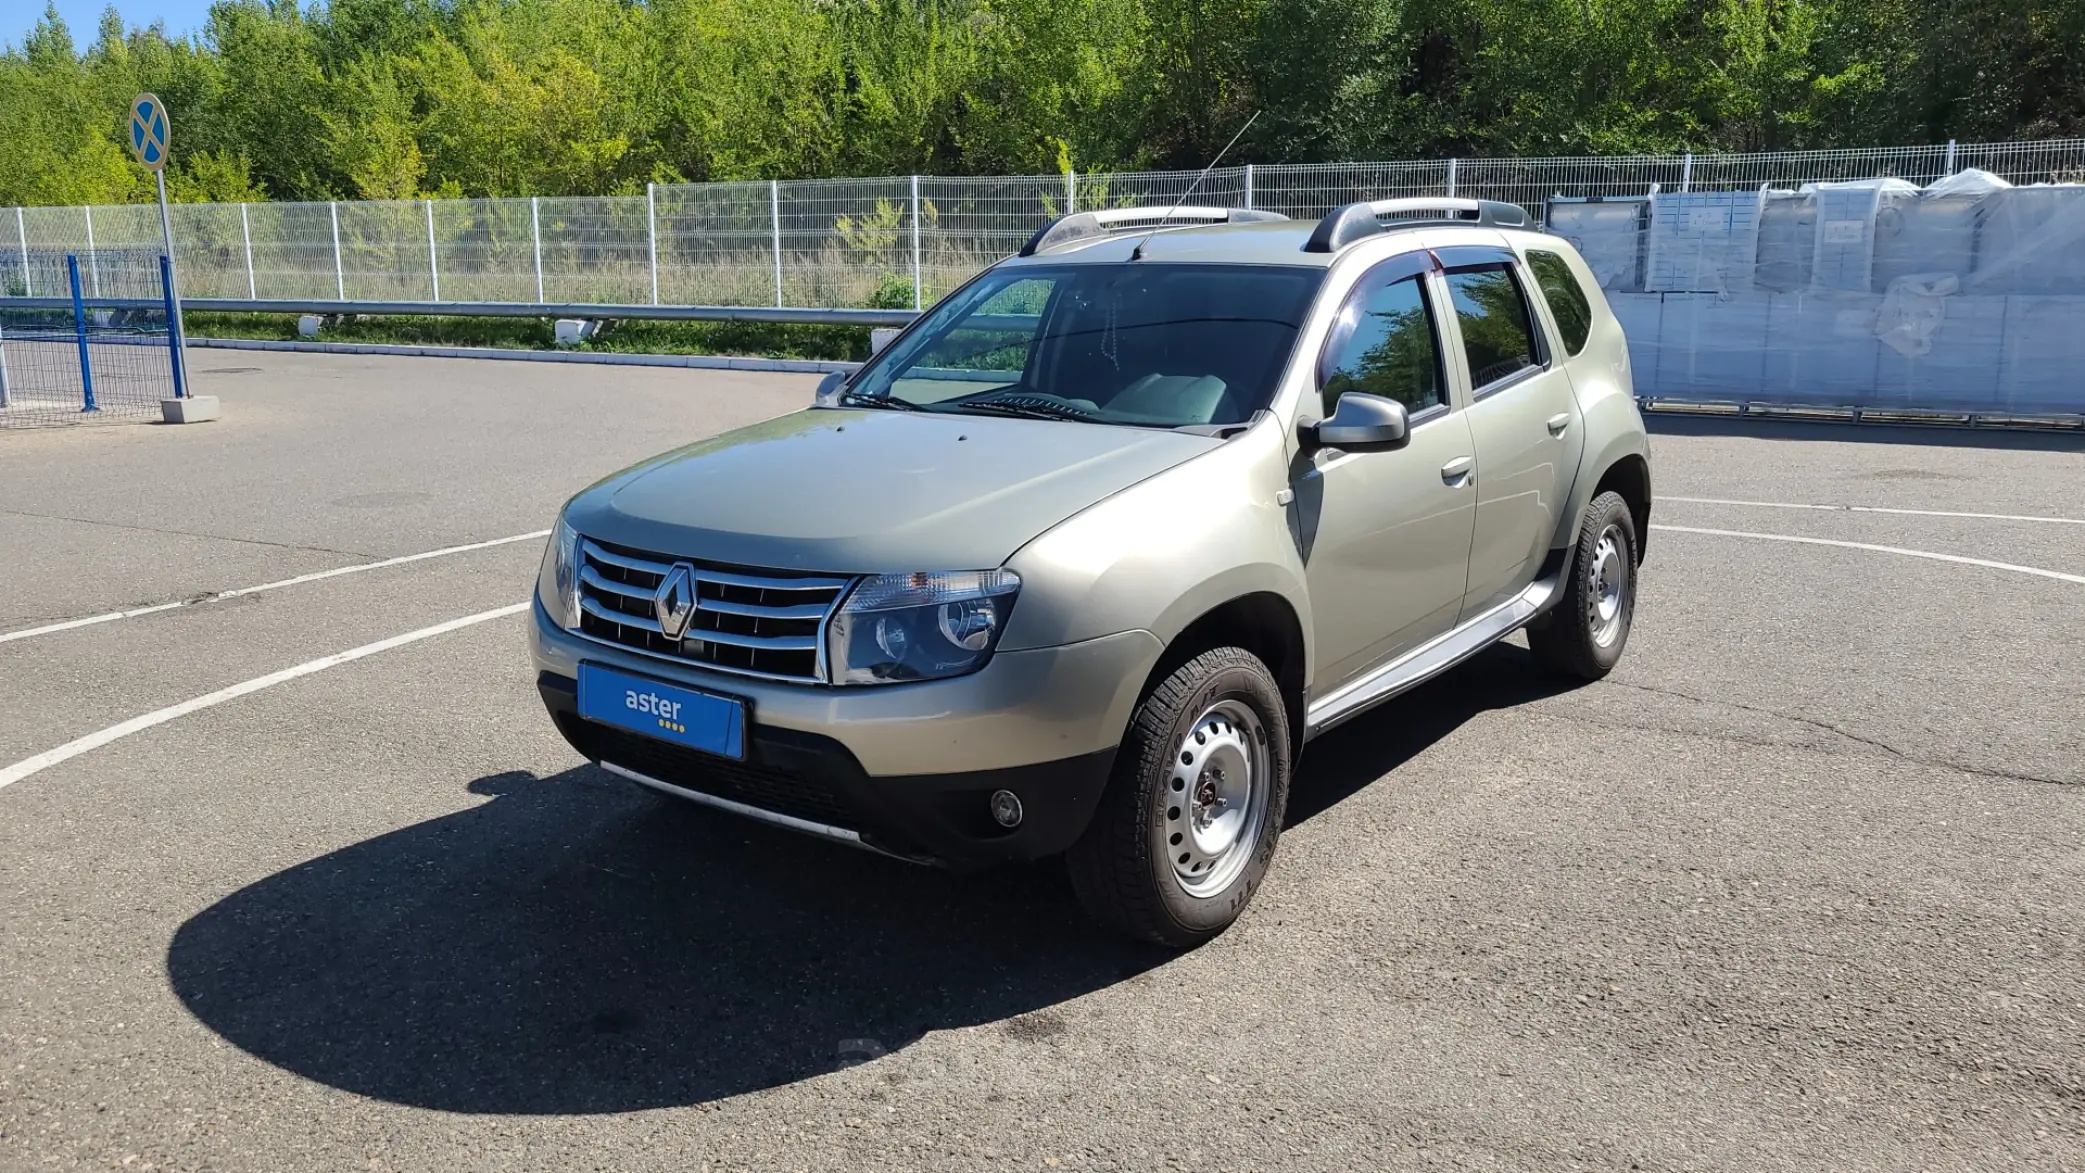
(683, 716)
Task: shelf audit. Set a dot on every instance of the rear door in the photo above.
(1523, 417)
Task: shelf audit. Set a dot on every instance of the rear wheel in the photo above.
(1583, 635)
(1188, 826)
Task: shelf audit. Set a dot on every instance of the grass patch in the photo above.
(754, 339)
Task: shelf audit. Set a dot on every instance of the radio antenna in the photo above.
(1137, 254)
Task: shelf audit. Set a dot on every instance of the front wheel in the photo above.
(1583, 635)
(1188, 825)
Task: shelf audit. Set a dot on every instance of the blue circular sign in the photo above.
(150, 131)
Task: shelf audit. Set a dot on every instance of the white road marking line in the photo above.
(357, 568)
(1984, 562)
(92, 741)
(1878, 509)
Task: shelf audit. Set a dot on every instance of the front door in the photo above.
(1385, 536)
(1523, 420)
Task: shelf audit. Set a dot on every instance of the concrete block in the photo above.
(1822, 349)
(2042, 350)
(1960, 372)
(1639, 314)
(573, 331)
(880, 337)
(195, 409)
(1708, 348)
(308, 325)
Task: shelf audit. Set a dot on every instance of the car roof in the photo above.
(1266, 242)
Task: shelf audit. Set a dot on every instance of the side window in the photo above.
(1566, 297)
(1389, 351)
(1498, 337)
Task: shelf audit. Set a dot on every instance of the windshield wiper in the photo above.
(892, 402)
(1028, 407)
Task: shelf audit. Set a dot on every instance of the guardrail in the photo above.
(488, 309)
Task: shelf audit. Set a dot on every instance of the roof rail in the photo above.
(1343, 226)
(1082, 226)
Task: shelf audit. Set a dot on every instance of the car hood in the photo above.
(872, 491)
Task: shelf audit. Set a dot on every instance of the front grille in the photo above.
(742, 782)
(760, 622)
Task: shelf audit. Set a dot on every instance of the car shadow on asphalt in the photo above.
(578, 945)
(1360, 752)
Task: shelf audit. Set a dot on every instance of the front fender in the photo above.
(1159, 555)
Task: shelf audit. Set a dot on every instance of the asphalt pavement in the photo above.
(1796, 888)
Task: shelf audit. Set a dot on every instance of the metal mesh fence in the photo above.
(89, 365)
(1725, 225)
(840, 242)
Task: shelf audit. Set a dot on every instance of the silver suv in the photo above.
(1081, 560)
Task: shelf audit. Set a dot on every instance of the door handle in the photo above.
(1558, 422)
(1457, 471)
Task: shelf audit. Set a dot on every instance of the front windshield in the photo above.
(1150, 345)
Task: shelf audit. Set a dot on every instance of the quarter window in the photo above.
(1566, 297)
(1497, 336)
(1390, 350)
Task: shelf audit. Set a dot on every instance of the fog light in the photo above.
(1006, 808)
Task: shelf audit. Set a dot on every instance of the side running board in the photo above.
(1429, 659)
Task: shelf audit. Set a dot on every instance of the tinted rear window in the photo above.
(1566, 297)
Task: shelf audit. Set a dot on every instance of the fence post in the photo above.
(1451, 177)
(93, 254)
(339, 270)
(1248, 187)
(774, 207)
(434, 270)
(3, 368)
(651, 232)
(1687, 172)
(1071, 190)
(22, 232)
(246, 235)
(79, 329)
(915, 243)
(535, 232)
(166, 292)
(1950, 156)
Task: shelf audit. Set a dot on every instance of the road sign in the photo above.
(151, 137)
(151, 134)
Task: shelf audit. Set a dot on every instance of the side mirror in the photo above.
(1361, 423)
(829, 389)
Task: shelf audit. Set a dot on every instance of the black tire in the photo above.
(1125, 867)
(1574, 639)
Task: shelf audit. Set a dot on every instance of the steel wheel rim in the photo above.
(1216, 797)
(1608, 601)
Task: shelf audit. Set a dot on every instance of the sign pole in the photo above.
(179, 347)
(151, 140)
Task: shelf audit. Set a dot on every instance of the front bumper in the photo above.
(909, 768)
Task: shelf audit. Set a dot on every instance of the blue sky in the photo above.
(82, 16)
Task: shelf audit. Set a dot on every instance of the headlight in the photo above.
(897, 627)
(557, 584)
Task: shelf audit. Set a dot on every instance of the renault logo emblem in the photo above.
(674, 604)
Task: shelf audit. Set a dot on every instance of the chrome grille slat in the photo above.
(777, 643)
(655, 569)
(627, 620)
(594, 578)
(749, 621)
(813, 611)
(761, 582)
